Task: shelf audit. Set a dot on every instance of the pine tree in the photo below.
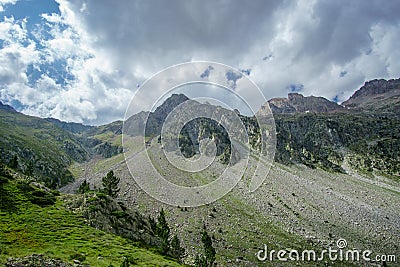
(177, 251)
(110, 184)
(84, 187)
(163, 232)
(209, 250)
(208, 259)
(153, 224)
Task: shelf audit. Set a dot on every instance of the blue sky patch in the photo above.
(206, 73)
(295, 88)
(343, 73)
(246, 71)
(32, 9)
(39, 30)
(233, 76)
(336, 99)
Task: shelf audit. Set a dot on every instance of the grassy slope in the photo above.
(26, 228)
(50, 148)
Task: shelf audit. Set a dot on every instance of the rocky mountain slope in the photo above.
(376, 95)
(150, 123)
(370, 141)
(319, 139)
(296, 207)
(45, 148)
(319, 133)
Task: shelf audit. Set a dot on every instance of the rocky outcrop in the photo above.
(105, 213)
(297, 103)
(135, 124)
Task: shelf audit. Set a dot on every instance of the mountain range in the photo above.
(376, 95)
(336, 172)
(309, 131)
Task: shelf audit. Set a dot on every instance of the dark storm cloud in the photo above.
(343, 28)
(160, 33)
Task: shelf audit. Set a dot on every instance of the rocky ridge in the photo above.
(376, 95)
(297, 103)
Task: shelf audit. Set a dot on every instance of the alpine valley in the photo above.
(335, 175)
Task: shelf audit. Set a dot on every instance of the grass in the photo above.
(56, 232)
(114, 139)
(77, 169)
(35, 140)
(106, 164)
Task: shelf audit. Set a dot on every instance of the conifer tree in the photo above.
(153, 224)
(208, 259)
(110, 184)
(177, 251)
(163, 232)
(84, 187)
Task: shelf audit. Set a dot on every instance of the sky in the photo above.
(83, 60)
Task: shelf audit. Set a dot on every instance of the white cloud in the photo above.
(12, 31)
(17, 53)
(3, 3)
(106, 48)
(97, 93)
(385, 46)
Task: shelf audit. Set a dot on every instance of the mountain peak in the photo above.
(297, 103)
(293, 96)
(151, 122)
(375, 93)
(168, 105)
